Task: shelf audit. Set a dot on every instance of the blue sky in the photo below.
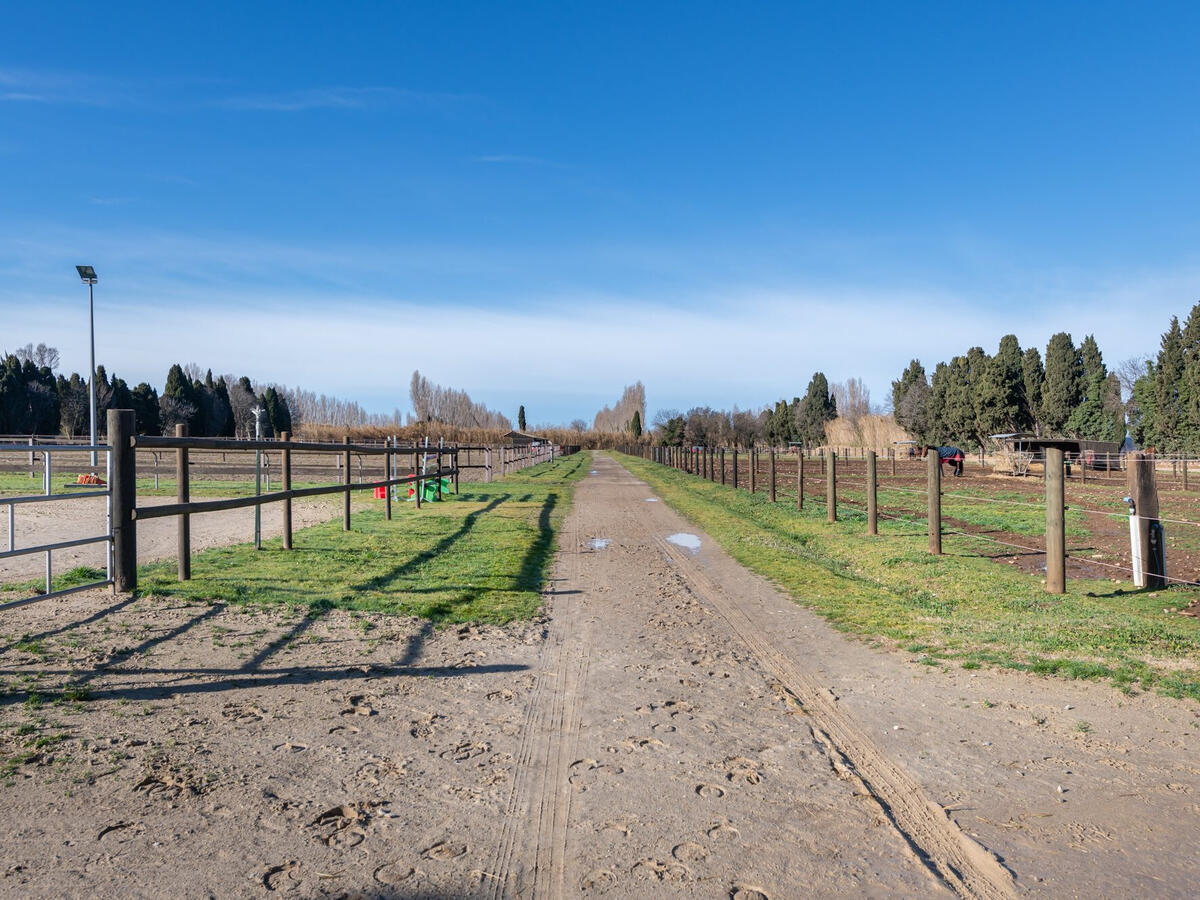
(540, 203)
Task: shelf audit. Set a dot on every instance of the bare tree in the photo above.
(174, 412)
(434, 403)
(1129, 371)
(41, 356)
(618, 418)
(193, 372)
(853, 399)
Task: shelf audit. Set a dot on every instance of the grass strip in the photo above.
(958, 607)
(481, 556)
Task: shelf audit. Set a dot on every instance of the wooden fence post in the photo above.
(872, 495)
(346, 482)
(771, 473)
(1056, 548)
(892, 454)
(1185, 472)
(183, 495)
(722, 465)
(934, 487)
(387, 476)
(800, 479)
(753, 467)
(121, 428)
(1143, 490)
(438, 486)
(417, 470)
(286, 438)
(735, 468)
(831, 487)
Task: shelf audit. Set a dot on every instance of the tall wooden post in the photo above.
(934, 487)
(753, 467)
(286, 438)
(438, 485)
(800, 479)
(872, 495)
(1143, 490)
(1185, 472)
(831, 486)
(771, 474)
(418, 486)
(121, 428)
(892, 454)
(1056, 547)
(183, 526)
(387, 476)
(722, 465)
(735, 468)
(346, 482)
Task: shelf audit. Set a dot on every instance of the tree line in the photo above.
(802, 420)
(1164, 410)
(34, 400)
(1068, 393)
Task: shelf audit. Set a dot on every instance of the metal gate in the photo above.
(47, 495)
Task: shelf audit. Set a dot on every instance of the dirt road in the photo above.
(674, 727)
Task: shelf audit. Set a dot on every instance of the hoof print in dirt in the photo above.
(597, 879)
(723, 831)
(444, 850)
(284, 878)
(662, 871)
(115, 829)
(243, 714)
(586, 773)
(466, 750)
(358, 705)
(710, 791)
(343, 826)
(689, 851)
(394, 873)
(743, 770)
(741, 892)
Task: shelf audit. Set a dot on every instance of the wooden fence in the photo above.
(1149, 568)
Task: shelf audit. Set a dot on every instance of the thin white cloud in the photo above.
(59, 86)
(518, 160)
(347, 98)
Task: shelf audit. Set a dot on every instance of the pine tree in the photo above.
(1064, 386)
(1168, 378)
(1033, 377)
(521, 418)
(817, 408)
(180, 395)
(145, 409)
(910, 401)
(1000, 393)
(635, 424)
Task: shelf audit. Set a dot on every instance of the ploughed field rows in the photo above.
(1006, 513)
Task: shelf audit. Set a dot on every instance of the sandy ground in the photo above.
(674, 727)
(46, 523)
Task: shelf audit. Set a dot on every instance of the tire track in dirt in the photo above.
(960, 863)
(531, 855)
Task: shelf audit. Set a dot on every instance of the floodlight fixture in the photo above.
(87, 274)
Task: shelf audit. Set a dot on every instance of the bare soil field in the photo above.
(673, 726)
(43, 523)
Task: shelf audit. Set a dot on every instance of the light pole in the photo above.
(88, 275)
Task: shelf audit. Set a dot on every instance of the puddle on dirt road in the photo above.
(599, 543)
(651, 499)
(593, 472)
(686, 541)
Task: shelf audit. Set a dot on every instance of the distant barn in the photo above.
(1021, 450)
(520, 439)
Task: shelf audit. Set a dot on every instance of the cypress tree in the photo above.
(1000, 393)
(1168, 378)
(635, 426)
(521, 418)
(817, 408)
(145, 409)
(1033, 376)
(1063, 388)
(911, 397)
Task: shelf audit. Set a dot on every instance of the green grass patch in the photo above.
(20, 484)
(68, 579)
(959, 607)
(479, 557)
